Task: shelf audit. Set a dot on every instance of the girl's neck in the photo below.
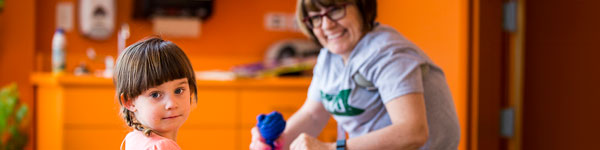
(170, 135)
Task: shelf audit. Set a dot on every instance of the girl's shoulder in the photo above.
(137, 140)
(165, 144)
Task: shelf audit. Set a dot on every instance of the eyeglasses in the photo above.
(334, 13)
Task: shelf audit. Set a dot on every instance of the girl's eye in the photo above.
(179, 91)
(155, 95)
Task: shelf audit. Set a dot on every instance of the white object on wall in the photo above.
(97, 18)
(188, 27)
(64, 16)
(279, 21)
(275, 21)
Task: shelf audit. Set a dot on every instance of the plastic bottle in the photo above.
(58, 51)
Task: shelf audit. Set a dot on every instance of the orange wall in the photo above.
(16, 49)
(440, 29)
(16, 45)
(234, 34)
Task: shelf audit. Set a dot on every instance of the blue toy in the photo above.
(270, 126)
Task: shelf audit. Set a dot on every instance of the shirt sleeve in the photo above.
(398, 73)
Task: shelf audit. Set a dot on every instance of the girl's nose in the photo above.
(171, 102)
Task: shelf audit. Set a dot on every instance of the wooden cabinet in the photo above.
(81, 112)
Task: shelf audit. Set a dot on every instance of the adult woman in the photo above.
(381, 89)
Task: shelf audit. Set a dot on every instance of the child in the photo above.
(154, 83)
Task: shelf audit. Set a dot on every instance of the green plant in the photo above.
(12, 114)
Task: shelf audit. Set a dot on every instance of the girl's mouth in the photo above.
(172, 117)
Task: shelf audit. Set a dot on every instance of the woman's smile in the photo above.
(335, 36)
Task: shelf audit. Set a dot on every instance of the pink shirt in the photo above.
(136, 140)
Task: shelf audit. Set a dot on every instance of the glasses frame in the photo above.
(308, 21)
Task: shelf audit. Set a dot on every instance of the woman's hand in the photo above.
(307, 142)
(258, 142)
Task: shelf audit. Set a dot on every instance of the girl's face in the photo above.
(342, 35)
(164, 108)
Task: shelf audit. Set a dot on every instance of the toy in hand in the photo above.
(270, 126)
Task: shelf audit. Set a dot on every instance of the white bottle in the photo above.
(58, 51)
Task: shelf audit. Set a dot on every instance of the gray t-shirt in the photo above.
(396, 67)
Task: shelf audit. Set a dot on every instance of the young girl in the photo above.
(154, 83)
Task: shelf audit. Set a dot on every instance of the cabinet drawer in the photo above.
(94, 139)
(217, 139)
(91, 105)
(214, 107)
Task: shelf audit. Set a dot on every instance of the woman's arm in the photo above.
(409, 128)
(311, 118)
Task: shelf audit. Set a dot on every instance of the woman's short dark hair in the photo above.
(366, 8)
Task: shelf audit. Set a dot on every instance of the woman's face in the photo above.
(342, 35)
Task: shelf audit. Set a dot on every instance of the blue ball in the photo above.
(270, 126)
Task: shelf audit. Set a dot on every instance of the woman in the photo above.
(380, 88)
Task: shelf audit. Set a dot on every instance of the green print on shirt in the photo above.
(338, 104)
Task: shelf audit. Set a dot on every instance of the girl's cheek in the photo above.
(156, 113)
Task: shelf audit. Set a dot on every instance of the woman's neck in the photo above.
(346, 56)
(345, 59)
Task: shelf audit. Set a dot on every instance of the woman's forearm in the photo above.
(310, 119)
(391, 137)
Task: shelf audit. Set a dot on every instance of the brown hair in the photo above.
(366, 8)
(145, 64)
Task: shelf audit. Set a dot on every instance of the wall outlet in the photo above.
(275, 21)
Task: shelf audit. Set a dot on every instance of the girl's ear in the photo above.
(127, 103)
